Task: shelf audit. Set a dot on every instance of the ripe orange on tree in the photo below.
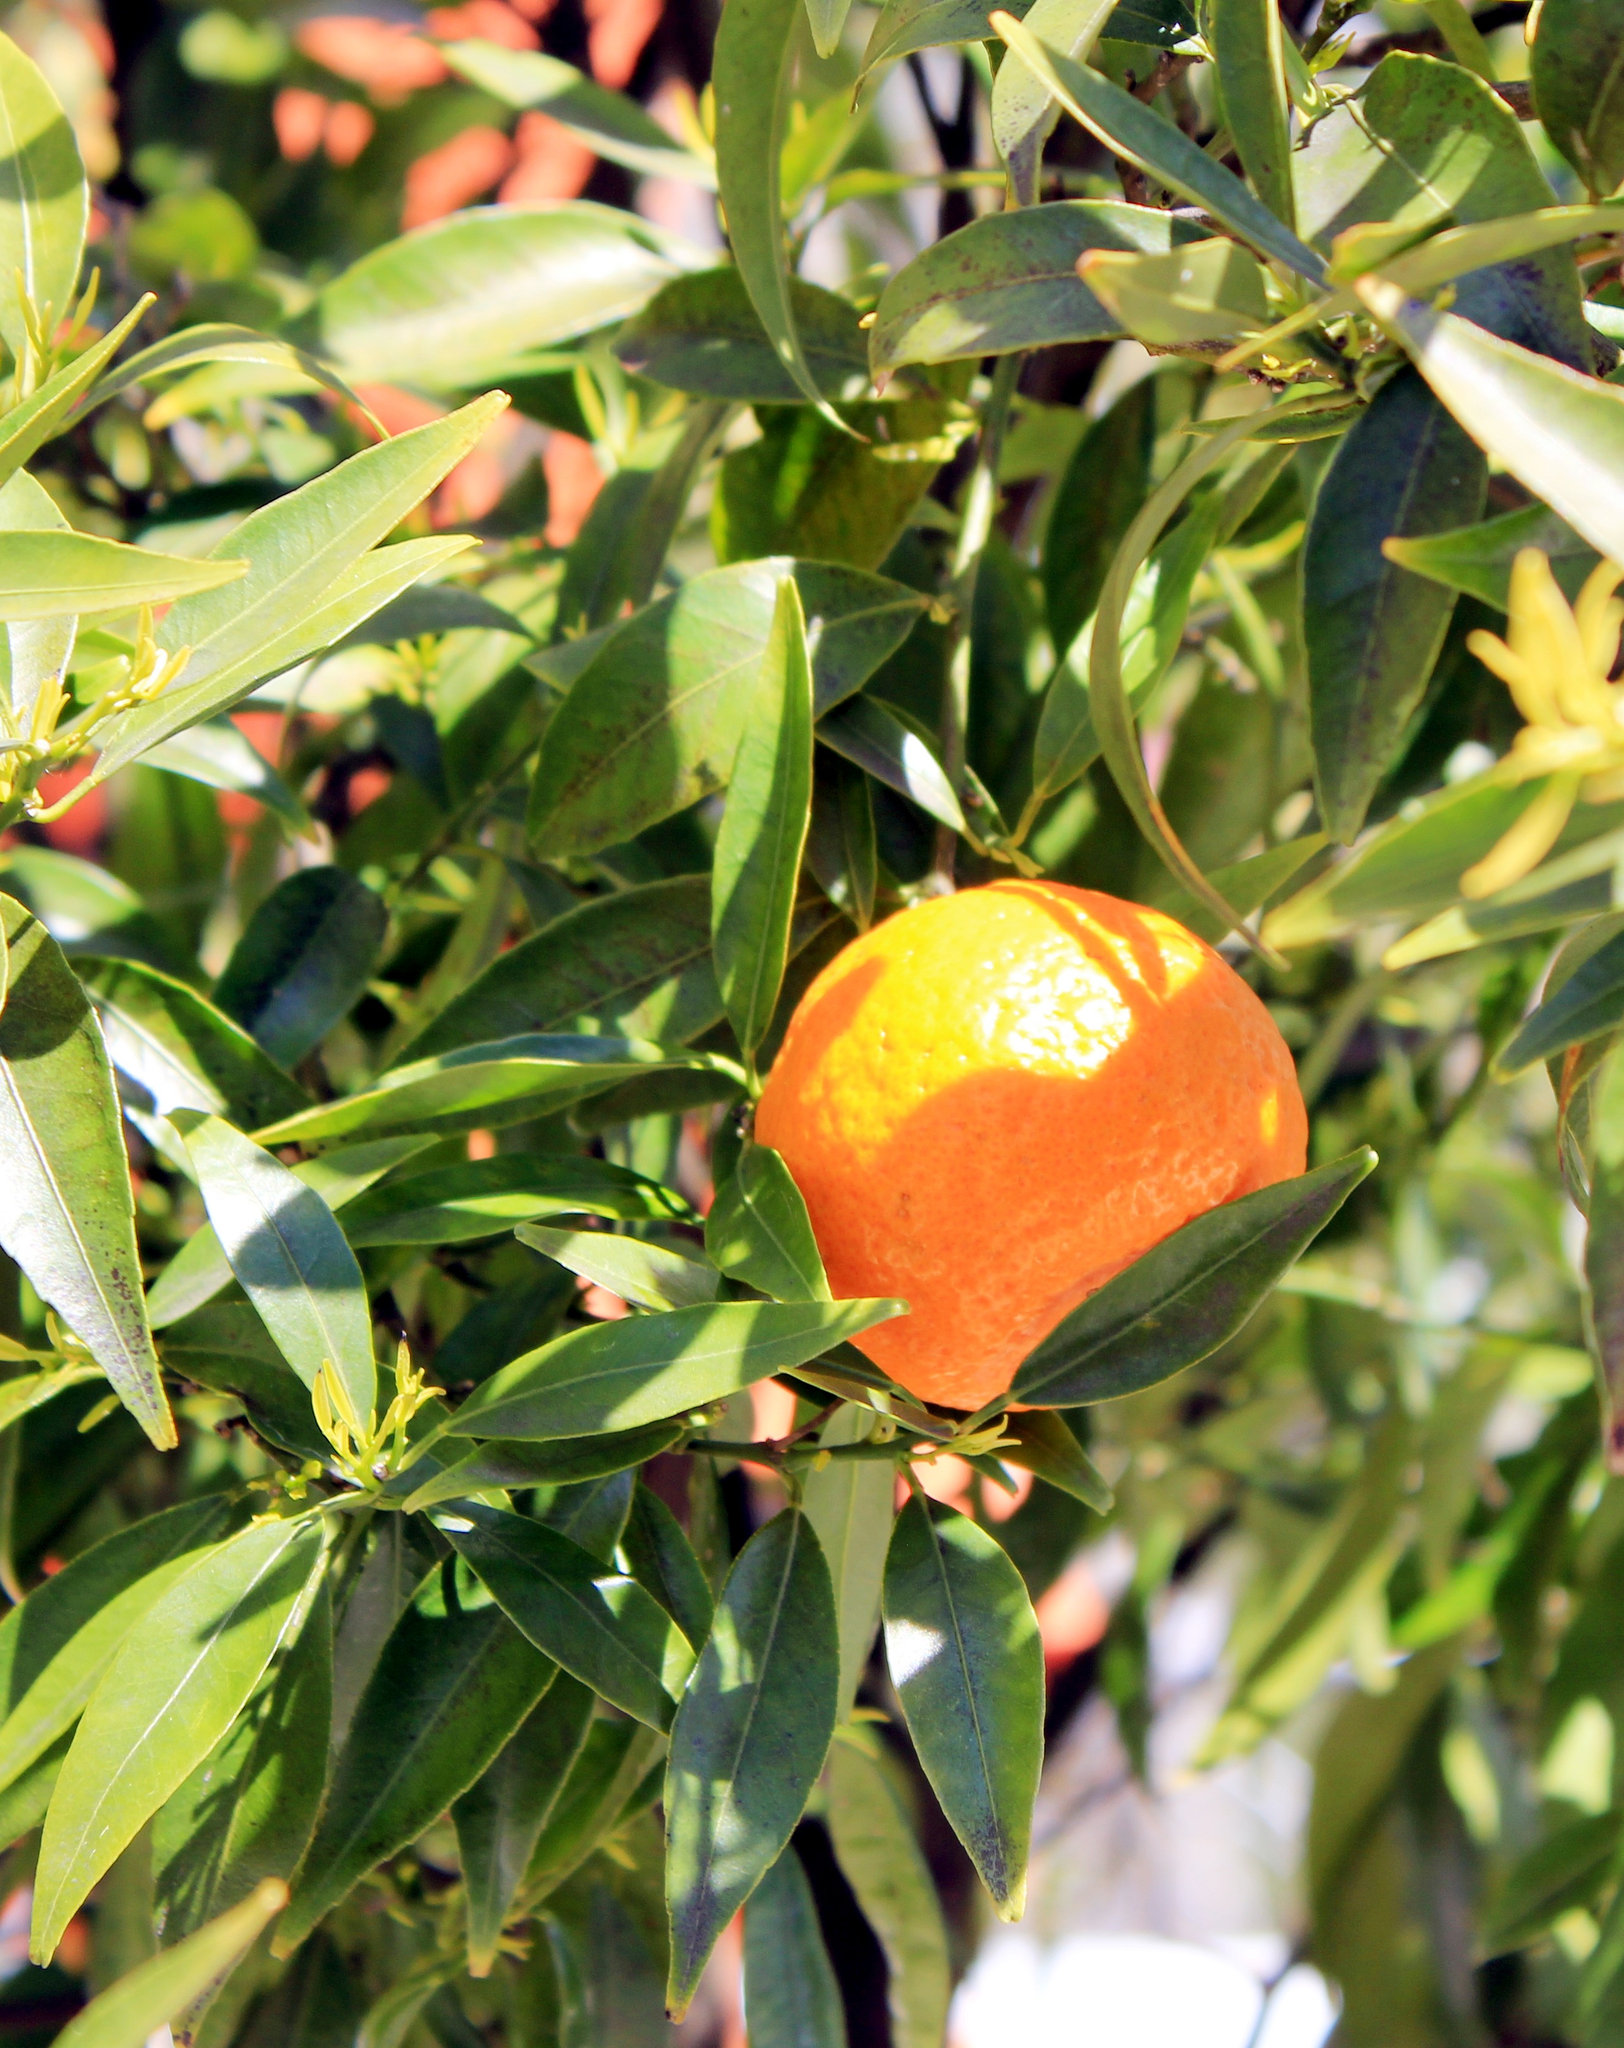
(996, 1100)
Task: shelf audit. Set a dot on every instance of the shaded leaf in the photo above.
(482, 1196)
(790, 1989)
(874, 738)
(1247, 42)
(517, 1465)
(849, 1503)
(759, 1231)
(1045, 1445)
(702, 334)
(1568, 1868)
(69, 1220)
(1589, 1002)
(647, 1274)
(1577, 67)
(220, 757)
(305, 958)
(749, 1739)
(663, 1560)
(1023, 110)
(962, 1644)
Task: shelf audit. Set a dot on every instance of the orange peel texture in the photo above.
(995, 1101)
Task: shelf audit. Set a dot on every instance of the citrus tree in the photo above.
(413, 1635)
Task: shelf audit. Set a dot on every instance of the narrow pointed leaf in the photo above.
(1246, 37)
(57, 574)
(601, 1626)
(849, 1502)
(662, 1559)
(1589, 1003)
(1023, 109)
(623, 1374)
(289, 1256)
(304, 960)
(44, 198)
(962, 1643)
(759, 1231)
(791, 1992)
(749, 1739)
(220, 757)
(763, 831)
(479, 1197)
(515, 1465)
(27, 427)
(647, 1274)
(1178, 1303)
(1604, 1249)
(1045, 1445)
(68, 1218)
(169, 1695)
(1578, 76)
(449, 1689)
(136, 2010)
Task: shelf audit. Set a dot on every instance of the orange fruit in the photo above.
(995, 1101)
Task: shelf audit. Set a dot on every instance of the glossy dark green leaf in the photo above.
(601, 1626)
(749, 1739)
(662, 1559)
(1477, 559)
(849, 1502)
(55, 1646)
(615, 1759)
(750, 75)
(226, 1347)
(873, 737)
(653, 723)
(68, 1219)
(790, 1989)
(841, 849)
(1567, 1868)
(173, 1690)
(1045, 1445)
(1578, 65)
(702, 334)
(482, 1196)
(1246, 38)
(451, 1686)
(466, 300)
(763, 830)
(647, 1275)
(500, 1818)
(1160, 149)
(517, 1465)
(482, 1087)
(1102, 487)
(759, 1231)
(622, 1374)
(245, 1814)
(880, 1858)
(180, 1049)
(289, 1256)
(306, 956)
(1589, 1002)
(635, 963)
(1178, 1303)
(962, 1644)
(1373, 630)
(139, 2007)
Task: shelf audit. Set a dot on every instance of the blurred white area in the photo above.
(1159, 1916)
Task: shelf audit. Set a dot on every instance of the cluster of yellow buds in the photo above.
(1557, 661)
(369, 1453)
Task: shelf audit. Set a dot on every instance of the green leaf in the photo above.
(1558, 432)
(28, 426)
(200, 1268)
(1567, 1868)
(758, 1230)
(598, 1624)
(875, 738)
(303, 961)
(1247, 43)
(751, 66)
(962, 1643)
(1103, 485)
(1604, 1249)
(1023, 110)
(615, 126)
(1373, 630)
(516, 1466)
(500, 1818)
(69, 1220)
(703, 335)
(880, 1858)
(1160, 149)
(44, 199)
(209, 342)
(289, 1256)
(56, 1644)
(452, 1685)
(218, 756)
(623, 1374)
(763, 829)
(1205, 291)
(635, 963)
(1477, 559)
(749, 1739)
(1578, 77)
(482, 1196)
(174, 1044)
(647, 1274)
(790, 1989)
(653, 723)
(471, 299)
(245, 1814)
(908, 25)
(848, 1501)
(663, 1560)
(1178, 1303)
(174, 1688)
(1009, 281)
(510, 1081)
(304, 619)
(1587, 1004)
(34, 653)
(611, 1765)
(132, 2012)
(1045, 1445)
(58, 573)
